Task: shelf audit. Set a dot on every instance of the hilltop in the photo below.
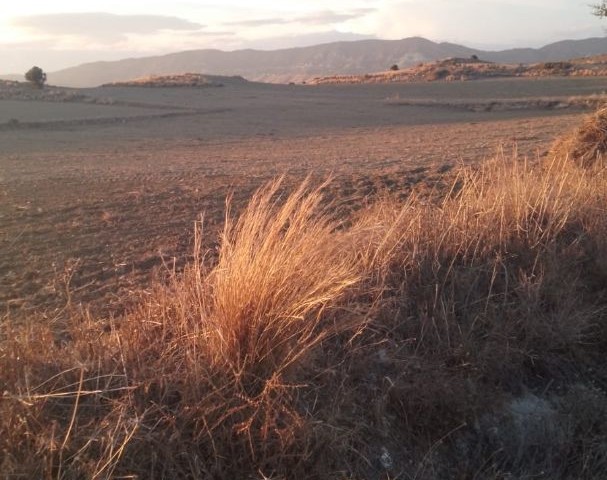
(181, 80)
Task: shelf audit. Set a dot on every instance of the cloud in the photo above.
(258, 22)
(19, 58)
(486, 23)
(324, 17)
(101, 26)
(328, 16)
(211, 33)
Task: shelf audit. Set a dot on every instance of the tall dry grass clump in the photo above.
(199, 379)
(456, 335)
(279, 269)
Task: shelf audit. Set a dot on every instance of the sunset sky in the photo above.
(63, 33)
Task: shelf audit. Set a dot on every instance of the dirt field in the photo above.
(94, 199)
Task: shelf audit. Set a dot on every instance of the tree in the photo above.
(600, 9)
(394, 68)
(36, 76)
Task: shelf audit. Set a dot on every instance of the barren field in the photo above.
(96, 198)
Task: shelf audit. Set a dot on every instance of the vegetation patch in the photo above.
(182, 80)
(454, 335)
(12, 90)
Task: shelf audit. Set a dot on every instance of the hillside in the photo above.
(459, 69)
(299, 64)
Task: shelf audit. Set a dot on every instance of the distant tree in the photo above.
(600, 9)
(474, 57)
(36, 76)
(394, 68)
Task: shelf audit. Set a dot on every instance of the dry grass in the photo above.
(268, 299)
(496, 291)
(391, 347)
(588, 143)
(207, 358)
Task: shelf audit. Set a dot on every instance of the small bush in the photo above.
(557, 66)
(439, 74)
(36, 76)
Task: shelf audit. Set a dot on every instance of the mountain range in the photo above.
(300, 64)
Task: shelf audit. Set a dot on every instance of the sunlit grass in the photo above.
(309, 346)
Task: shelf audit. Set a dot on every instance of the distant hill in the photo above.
(297, 64)
(294, 64)
(13, 77)
(472, 68)
(554, 52)
(195, 80)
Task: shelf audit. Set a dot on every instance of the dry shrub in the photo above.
(588, 143)
(508, 234)
(499, 288)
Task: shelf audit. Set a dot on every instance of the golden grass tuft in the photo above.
(280, 268)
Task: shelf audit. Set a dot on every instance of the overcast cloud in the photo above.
(306, 40)
(325, 17)
(101, 25)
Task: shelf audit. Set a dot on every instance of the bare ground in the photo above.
(102, 221)
(90, 208)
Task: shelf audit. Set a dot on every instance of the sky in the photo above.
(63, 33)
